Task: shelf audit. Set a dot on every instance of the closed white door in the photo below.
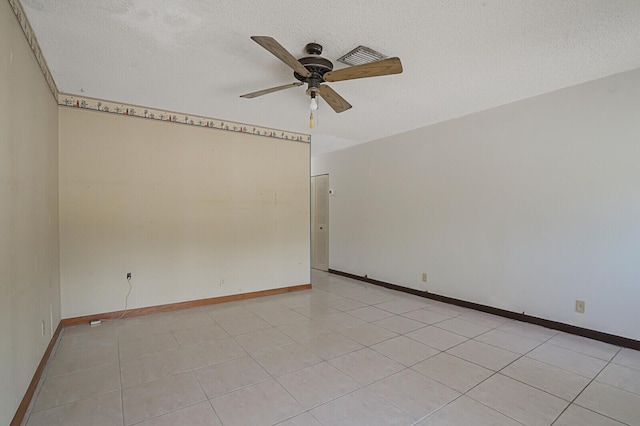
(320, 222)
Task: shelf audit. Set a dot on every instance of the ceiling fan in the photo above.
(315, 70)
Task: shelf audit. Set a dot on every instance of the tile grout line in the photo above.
(461, 393)
(36, 394)
(548, 340)
(195, 376)
(360, 387)
(120, 376)
(457, 398)
(32, 404)
(497, 372)
(275, 378)
(482, 381)
(82, 398)
(190, 370)
(522, 356)
(585, 388)
(169, 412)
(304, 410)
(412, 370)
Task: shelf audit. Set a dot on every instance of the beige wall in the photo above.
(191, 212)
(29, 275)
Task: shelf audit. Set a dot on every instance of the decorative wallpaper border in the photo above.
(75, 101)
(137, 111)
(35, 48)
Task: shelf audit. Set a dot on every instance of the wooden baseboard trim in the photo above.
(181, 305)
(28, 395)
(567, 328)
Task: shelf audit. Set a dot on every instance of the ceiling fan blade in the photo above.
(281, 53)
(372, 69)
(334, 100)
(271, 90)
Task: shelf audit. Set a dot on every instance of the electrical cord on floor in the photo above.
(97, 322)
(126, 299)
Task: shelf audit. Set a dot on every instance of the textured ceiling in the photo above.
(196, 57)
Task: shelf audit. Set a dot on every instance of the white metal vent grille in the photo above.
(361, 55)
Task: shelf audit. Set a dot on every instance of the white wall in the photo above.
(526, 207)
(180, 207)
(29, 275)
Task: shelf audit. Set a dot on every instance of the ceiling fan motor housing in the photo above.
(316, 65)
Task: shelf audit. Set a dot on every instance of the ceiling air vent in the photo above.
(361, 55)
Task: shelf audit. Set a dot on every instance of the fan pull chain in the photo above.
(311, 120)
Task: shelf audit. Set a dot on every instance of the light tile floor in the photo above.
(343, 353)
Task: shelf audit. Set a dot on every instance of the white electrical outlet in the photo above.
(580, 306)
(43, 331)
(424, 277)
